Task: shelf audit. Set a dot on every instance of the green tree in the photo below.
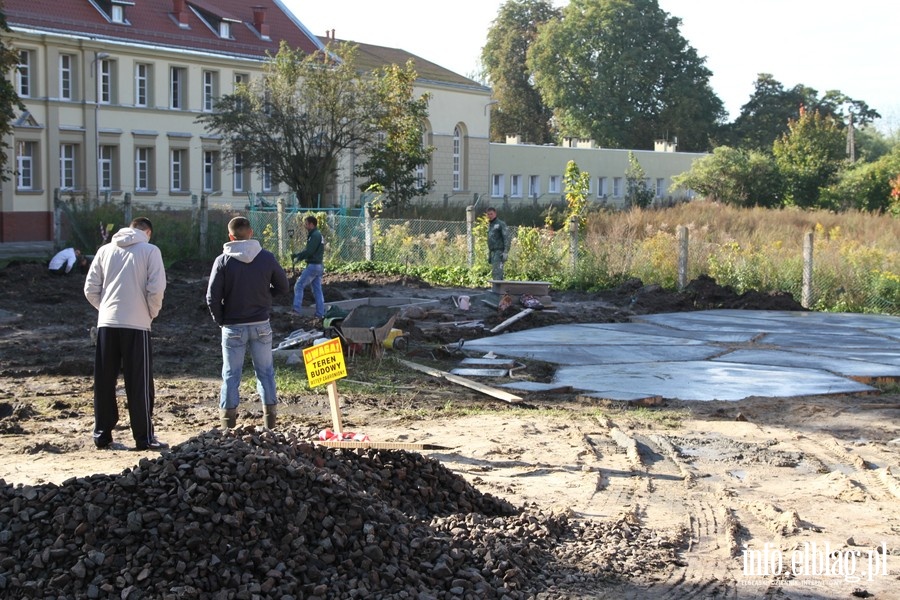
(765, 116)
(620, 72)
(734, 176)
(809, 157)
(392, 161)
(637, 192)
(520, 109)
(577, 185)
(299, 117)
(9, 99)
(864, 185)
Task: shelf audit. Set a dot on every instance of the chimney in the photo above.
(259, 21)
(332, 35)
(179, 11)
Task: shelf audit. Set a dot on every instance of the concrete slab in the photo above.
(714, 354)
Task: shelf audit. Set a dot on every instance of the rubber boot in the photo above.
(269, 413)
(228, 418)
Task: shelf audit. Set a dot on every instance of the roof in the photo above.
(153, 22)
(372, 57)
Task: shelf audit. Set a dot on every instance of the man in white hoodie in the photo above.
(125, 283)
(241, 285)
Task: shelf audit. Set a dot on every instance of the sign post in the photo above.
(325, 365)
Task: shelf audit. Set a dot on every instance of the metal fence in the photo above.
(818, 275)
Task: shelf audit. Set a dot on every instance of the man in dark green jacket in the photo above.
(498, 242)
(313, 254)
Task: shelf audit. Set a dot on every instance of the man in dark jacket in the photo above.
(313, 254)
(241, 285)
(498, 243)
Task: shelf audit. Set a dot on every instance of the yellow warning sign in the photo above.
(324, 362)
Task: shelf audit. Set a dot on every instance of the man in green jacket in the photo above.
(313, 254)
(498, 242)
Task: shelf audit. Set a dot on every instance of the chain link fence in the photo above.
(841, 277)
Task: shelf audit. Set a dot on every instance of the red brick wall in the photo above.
(26, 226)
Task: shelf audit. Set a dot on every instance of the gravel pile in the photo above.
(251, 514)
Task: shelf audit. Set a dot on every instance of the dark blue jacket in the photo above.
(242, 282)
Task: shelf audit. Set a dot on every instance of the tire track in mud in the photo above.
(660, 478)
(849, 468)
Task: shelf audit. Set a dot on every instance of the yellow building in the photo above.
(113, 89)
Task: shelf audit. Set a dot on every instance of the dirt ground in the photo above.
(812, 482)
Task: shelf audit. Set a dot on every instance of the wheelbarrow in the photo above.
(368, 325)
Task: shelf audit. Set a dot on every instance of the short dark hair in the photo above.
(490, 209)
(240, 228)
(312, 220)
(142, 223)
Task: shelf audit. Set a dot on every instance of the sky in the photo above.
(852, 47)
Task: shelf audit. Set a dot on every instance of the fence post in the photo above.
(126, 207)
(446, 200)
(280, 212)
(204, 224)
(683, 237)
(573, 241)
(57, 220)
(370, 231)
(470, 235)
(806, 293)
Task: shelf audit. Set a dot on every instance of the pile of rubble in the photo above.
(260, 514)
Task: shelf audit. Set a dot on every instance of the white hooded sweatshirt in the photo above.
(126, 281)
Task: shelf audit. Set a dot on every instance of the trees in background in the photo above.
(619, 72)
(9, 99)
(296, 121)
(809, 157)
(765, 116)
(519, 109)
(392, 163)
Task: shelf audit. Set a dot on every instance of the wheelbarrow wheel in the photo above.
(400, 344)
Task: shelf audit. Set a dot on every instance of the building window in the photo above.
(142, 84)
(143, 169)
(118, 13)
(553, 186)
(210, 171)
(210, 90)
(65, 76)
(25, 171)
(534, 186)
(240, 79)
(238, 172)
(267, 177)
(105, 167)
(601, 187)
(24, 74)
(67, 166)
(225, 30)
(105, 72)
(617, 187)
(496, 186)
(178, 76)
(178, 171)
(660, 187)
(515, 186)
(457, 159)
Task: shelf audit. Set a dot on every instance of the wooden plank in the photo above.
(480, 387)
(512, 320)
(380, 445)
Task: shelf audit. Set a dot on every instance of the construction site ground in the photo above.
(771, 497)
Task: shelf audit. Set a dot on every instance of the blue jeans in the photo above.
(311, 275)
(234, 345)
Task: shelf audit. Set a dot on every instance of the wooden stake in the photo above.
(334, 400)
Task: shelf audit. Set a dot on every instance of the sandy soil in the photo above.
(812, 481)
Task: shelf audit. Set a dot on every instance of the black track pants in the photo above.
(130, 351)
